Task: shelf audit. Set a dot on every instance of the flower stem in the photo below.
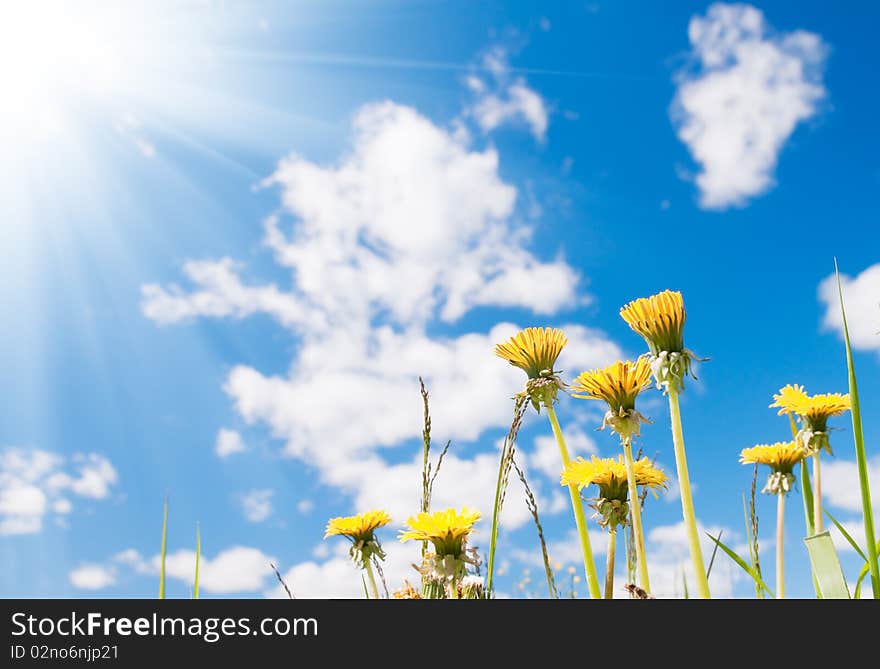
(609, 564)
(636, 514)
(578, 508)
(780, 546)
(493, 533)
(817, 494)
(368, 567)
(687, 502)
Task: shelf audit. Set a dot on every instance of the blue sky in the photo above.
(229, 253)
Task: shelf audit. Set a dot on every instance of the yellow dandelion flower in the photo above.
(781, 457)
(618, 384)
(815, 409)
(813, 412)
(533, 350)
(659, 319)
(789, 398)
(612, 507)
(610, 475)
(448, 530)
(358, 528)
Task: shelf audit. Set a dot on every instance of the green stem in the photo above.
(636, 514)
(687, 502)
(368, 567)
(578, 508)
(807, 495)
(817, 494)
(780, 546)
(609, 564)
(493, 534)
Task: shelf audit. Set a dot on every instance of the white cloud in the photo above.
(219, 293)
(338, 577)
(96, 476)
(506, 99)
(410, 222)
(861, 296)
(305, 506)
(257, 505)
(92, 577)
(840, 483)
(669, 559)
(855, 528)
(33, 482)
(750, 90)
(228, 443)
(334, 578)
(411, 228)
(235, 569)
(545, 455)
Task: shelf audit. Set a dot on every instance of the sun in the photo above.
(56, 57)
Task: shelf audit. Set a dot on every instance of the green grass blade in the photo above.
(846, 535)
(684, 583)
(806, 483)
(807, 487)
(164, 550)
(759, 591)
(712, 559)
(826, 566)
(857, 593)
(861, 458)
(198, 559)
(742, 564)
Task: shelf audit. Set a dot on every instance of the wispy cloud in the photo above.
(34, 483)
(257, 505)
(502, 98)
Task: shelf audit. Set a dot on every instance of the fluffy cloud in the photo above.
(545, 455)
(748, 90)
(840, 483)
(257, 505)
(34, 482)
(219, 293)
(410, 222)
(861, 295)
(668, 560)
(337, 577)
(228, 443)
(505, 99)
(236, 569)
(412, 228)
(92, 577)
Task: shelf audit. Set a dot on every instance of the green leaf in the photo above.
(846, 535)
(163, 551)
(857, 594)
(859, 439)
(742, 563)
(198, 559)
(826, 566)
